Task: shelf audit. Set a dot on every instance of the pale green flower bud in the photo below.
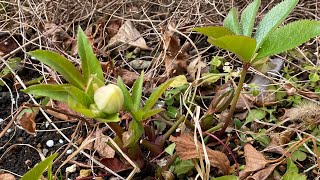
(109, 99)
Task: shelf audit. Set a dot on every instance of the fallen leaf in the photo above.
(264, 173)
(57, 35)
(101, 146)
(128, 77)
(115, 164)
(64, 111)
(194, 66)
(254, 159)
(130, 35)
(7, 176)
(176, 57)
(186, 149)
(113, 27)
(26, 119)
(179, 81)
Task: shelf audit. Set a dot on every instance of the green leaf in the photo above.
(299, 155)
(89, 62)
(231, 22)
(156, 95)
(213, 31)
(227, 177)
(183, 167)
(137, 92)
(273, 19)
(151, 112)
(59, 92)
(170, 148)
(292, 172)
(107, 118)
(288, 37)
(62, 65)
(133, 134)
(13, 63)
(242, 46)
(128, 103)
(255, 114)
(179, 81)
(248, 17)
(36, 172)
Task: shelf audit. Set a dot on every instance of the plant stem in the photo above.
(117, 129)
(171, 130)
(243, 74)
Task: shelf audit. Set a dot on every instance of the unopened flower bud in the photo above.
(109, 99)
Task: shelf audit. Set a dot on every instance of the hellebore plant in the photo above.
(87, 94)
(268, 39)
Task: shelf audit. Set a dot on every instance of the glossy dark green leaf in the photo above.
(213, 31)
(248, 17)
(156, 95)
(36, 172)
(242, 46)
(128, 103)
(89, 62)
(59, 92)
(273, 19)
(137, 92)
(231, 22)
(62, 65)
(288, 37)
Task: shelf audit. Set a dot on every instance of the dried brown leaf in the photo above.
(130, 35)
(7, 44)
(263, 173)
(7, 176)
(57, 35)
(26, 119)
(100, 144)
(113, 27)
(65, 111)
(254, 159)
(128, 77)
(194, 66)
(186, 149)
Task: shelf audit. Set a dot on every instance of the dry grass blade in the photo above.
(186, 149)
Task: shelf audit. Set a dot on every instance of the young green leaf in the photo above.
(273, 19)
(37, 170)
(288, 37)
(231, 22)
(292, 172)
(133, 134)
(128, 103)
(213, 31)
(89, 62)
(248, 17)
(242, 46)
(151, 113)
(137, 92)
(61, 65)
(107, 118)
(156, 95)
(59, 92)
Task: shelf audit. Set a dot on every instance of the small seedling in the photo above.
(237, 37)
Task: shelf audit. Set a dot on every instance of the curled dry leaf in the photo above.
(186, 149)
(57, 35)
(26, 119)
(176, 57)
(264, 173)
(128, 77)
(7, 176)
(65, 110)
(194, 66)
(130, 35)
(113, 27)
(100, 144)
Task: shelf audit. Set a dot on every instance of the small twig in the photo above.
(3, 132)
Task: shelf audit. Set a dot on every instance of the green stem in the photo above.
(117, 129)
(171, 130)
(235, 100)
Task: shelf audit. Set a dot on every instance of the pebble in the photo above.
(45, 151)
(1, 120)
(47, 124)
(71, 169)
(50, 143)
(9, 130)
(69, 151)
(60, 141)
